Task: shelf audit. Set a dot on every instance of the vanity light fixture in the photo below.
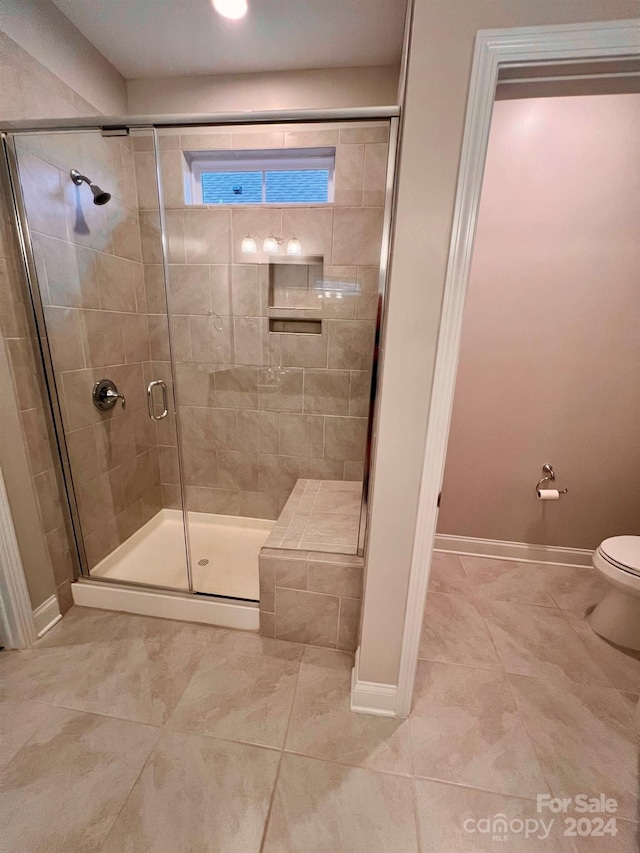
(249, 246)
(232, 9)
(271, 244)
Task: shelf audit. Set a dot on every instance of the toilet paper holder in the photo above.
(549, 477)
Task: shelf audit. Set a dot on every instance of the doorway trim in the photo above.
(494, 49)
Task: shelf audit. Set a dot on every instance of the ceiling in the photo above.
(159, 38)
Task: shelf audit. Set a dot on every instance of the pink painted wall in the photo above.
(550, 360)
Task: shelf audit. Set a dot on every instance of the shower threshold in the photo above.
(224, 554)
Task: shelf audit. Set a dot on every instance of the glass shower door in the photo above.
(94, 250)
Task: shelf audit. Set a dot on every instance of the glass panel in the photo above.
(232, 187)
(101, 302)
(300, 186)
(273, 413)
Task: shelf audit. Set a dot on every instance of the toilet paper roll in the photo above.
(548, 494)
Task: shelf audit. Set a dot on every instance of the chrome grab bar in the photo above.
(165, 407)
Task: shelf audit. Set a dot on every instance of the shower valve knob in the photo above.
(106, 395)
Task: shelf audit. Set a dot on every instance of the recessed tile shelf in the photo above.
(297, 326)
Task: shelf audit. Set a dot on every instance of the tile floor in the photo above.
(123, 733)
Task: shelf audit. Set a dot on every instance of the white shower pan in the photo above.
(224, 559)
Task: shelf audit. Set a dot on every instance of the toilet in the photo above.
(617, 616)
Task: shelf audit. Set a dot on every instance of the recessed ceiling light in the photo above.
(233, 9)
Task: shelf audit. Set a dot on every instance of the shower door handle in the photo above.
(165, 409)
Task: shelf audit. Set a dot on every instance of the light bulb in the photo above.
(270, 246)
(233, 9)
(294, 247)
(249, 246)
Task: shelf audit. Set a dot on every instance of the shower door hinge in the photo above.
(115, 131)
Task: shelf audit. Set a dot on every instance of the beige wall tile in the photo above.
(281, 389)
(204, 141)
(102, 338)
(145, 171)
(278, 473)
(189, 289)
(238, 470)
(322, 469)
(349, 625)
(69, 271)
(349, 172)
(350, 344)
(375, 167)
(217, 501)
(303, 350)
(65, 338)
(249, 340)
(36, 434)
(116, 282)
(175, 239)
(326, 392)
(25, 378)
(150, 237)
(358, 135)
(257, 139)
(245, 295)
(214, 428)
(360, 393)
(291, 573)
(313, 226)
(261, 504)
(301, 435)
(126, 232)
(220, 290)
(267, 584)
(236, 386)
(357, 235)
(335, 578)
(258, 430)
(345, 438)
(209, 342)
(310, 138)
(307, 617)
(115, 443)
(208, 236)
(135, 330)
(172, 168)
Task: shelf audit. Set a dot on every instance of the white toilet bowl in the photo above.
(617, 616)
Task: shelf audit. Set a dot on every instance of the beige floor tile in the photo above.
(140, 671)
(577, 589)
(323, 726)
(538, 641)
(454, 631)
(46, 671)
(64, 789)
(585, 738)
(197, 794)
(453, 819)
(447, 575)
(242, 690)
(621, 666)
(465, 727)
(18, 722)
(320, 807)
(503, 580)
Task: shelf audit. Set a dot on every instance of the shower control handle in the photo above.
(106, 395)
(165, 408)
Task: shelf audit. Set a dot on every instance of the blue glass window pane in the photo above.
(302, 186)
(232, 187)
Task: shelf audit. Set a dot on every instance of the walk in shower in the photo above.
(208, 302)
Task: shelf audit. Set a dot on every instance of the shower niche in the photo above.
(295, 283)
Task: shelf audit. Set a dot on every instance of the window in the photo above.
(273, 176)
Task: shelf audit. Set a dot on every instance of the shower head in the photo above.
(99, 195)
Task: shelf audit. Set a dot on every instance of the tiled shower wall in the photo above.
(28, 90)
(91, 279)
(260, 410)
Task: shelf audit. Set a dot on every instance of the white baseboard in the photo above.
(519, 551)
(368, 697)
(46, 615)
(184, 608)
